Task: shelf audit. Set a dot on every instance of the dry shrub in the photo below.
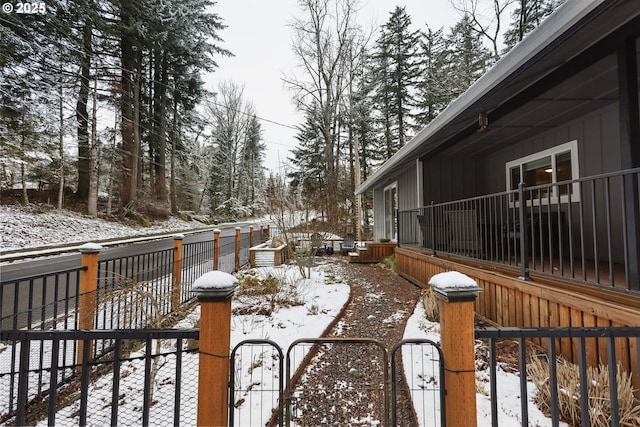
(430, 302)
(597, 388)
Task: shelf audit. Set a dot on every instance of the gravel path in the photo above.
(344, 385)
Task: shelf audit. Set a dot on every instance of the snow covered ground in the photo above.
(32, 227)
(319, 303)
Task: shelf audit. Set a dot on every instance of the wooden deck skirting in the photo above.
(509, 301)
(372, 252)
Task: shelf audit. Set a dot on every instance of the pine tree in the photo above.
(526, 17)
(309, 176)
(432, 94)
(467, 58)
(396, 60)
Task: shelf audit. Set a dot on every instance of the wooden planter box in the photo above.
(264, 255)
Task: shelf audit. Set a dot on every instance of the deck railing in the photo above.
(583, 230)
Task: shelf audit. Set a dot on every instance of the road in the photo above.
(17, 295)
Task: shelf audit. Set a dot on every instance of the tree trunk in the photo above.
(82, 114)
(61, 150)
(174, 141)
(160, 185)
(23, 173)
(92, 198)
(128, 185)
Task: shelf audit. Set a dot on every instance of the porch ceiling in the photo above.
(591, 89)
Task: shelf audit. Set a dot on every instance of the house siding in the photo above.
(407, 188)
(452, 177)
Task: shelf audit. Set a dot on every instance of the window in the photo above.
(390, 208)
(547, 167)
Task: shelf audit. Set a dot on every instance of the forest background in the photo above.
(103, 107)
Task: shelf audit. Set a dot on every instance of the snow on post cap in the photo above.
(215, 284)
(178, 236)
(453, 281)
(89, 248)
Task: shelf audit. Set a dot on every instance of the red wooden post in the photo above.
(216, 249)
(177, 271)
(457, 293)
(237, 253)
(87, 297)
(215, 290)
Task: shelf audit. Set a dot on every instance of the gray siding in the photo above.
(598, 148)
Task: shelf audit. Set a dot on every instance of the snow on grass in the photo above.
(421, 369)
(31, 226)
(314, 305)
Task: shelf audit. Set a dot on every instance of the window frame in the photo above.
(553, 152)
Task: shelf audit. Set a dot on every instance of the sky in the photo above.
(259, 36)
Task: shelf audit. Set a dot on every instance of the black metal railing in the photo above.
(132, 291)
(582, 230)
(584, 397)
(42, 301)
(148, 384)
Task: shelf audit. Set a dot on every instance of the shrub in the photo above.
(430, 302)
(390, 262)
(597, 388)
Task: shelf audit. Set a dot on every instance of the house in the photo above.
(529, 181)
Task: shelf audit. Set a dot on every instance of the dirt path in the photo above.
(343, 384)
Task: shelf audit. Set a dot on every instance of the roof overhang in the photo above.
(576, 40)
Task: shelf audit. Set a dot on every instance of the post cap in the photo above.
(178, 236)
(216, 231)
(90, 248)
(453, 286)
(215, 286)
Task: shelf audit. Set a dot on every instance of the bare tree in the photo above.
(323, 44)
(487, 24)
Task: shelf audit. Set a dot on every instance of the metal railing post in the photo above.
(524, 245)
(433, 229)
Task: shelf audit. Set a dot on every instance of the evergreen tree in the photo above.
(467, 58)
(310, 170)
(527, 15)
(396, 60)
(432, 94)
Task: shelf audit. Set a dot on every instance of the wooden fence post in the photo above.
(88, 291)
(456, 295)
(261, 234)
(177, 271)
(268, 232)
(216, 249)
(214, 290)
(237, 252)
(251, 236)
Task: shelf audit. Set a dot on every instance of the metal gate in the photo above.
(337, 381)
